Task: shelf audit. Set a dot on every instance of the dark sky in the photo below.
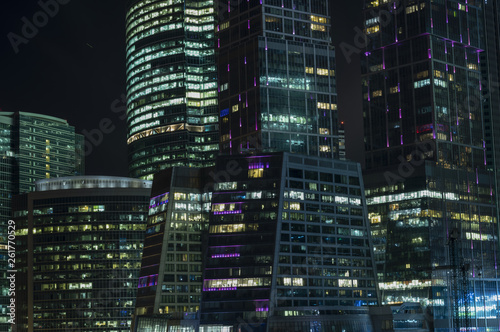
(73, 67)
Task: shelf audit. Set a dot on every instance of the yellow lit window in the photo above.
(325, 148)
(47, 175)
(318, 27)
(373, 29)
(235, 108)
(375, 220)
(322, 72)
(318, 19)
(224, 25)
(309, 70)
(256, 173)
(472, 66)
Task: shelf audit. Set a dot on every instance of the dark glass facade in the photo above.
(171, 85)
(170, 278)
(288, 246)
(276, 72)
(427, 170)
(490, 71)
(79, 242)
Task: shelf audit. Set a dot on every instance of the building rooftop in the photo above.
(90, 182)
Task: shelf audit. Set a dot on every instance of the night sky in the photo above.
(73, 67)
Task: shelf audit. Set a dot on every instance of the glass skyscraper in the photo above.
(171, 275)
(276, 69)
(171, 85)
(430, 196)
(288, 246)
(79, 242)
(32, 147)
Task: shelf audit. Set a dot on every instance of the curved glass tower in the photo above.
(171, 85)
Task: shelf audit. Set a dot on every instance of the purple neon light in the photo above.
(248, 24)
(257, 165)
(383, 59)
(226, 255)
(220, 289)
(153, 281)
(227, 212)
(400, 116)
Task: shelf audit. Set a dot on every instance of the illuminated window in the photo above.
(318, 19)
(318, 27)
(224, 25)
(373, 29)
(345, 283)
(256, 173)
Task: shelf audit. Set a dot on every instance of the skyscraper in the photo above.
(32, 147)
(276, 69)
(430, 195)
(79, 245)
(171, 85)
(490, 71)
(170, 277)
(288, 246)
(43, 147)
